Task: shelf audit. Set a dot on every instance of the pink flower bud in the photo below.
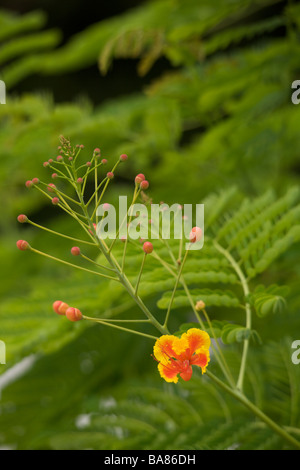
(88, 164)
(70, 159)
(110, 175)
(35, 180)
(144, 184)
(139, 178)
(51, 187)
(46, 164)
(195, 234)
(75, 250)
(81, 146)
(73, 314)
(50, 160)
(28, 184)
(148, 247)
(54, 175)
(79, 180)
(55, 201)
(59, 158)
(123, 157)
(23, 245)
(97, 150)
(22, 218)
(104, 161)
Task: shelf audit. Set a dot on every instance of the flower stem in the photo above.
(73, 265)
(260, 414)
(128, 330)
(60, 234)
(140, 274)
(247, 306)
(175, 288)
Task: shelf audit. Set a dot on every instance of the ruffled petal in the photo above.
(197, 339)
(168, 372)
(163, 348)
(201, 358)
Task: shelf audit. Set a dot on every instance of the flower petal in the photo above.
(186, 374)
(163, 348)
(197, 339)
(169, 373)
(201, 358)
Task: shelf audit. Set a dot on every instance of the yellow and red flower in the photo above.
(176, 356)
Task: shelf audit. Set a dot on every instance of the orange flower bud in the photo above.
(56, 306)
(62, 308)
(73, 314)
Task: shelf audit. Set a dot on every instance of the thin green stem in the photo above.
(252, 407)
(175, 288)
(73, 265)
(96, 320)
(218, 346)
(60, 234)
(140, 274)
(246, 291)
(94, 194)
(97, 264)
(135, 196)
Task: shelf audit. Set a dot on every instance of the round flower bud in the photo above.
(59, 158)
(123, 157)
(62, 308)
(23, 245)
(73, 314)
(104, 161)
(97, 150)
(195, 234)
(35, 180)
(144, 184)
(28, 184)
(56, 305)
(148, 247)
(50, 160)
(75, 250)
(22, 218)
(54, 175)
(51, 187)
(55, 201)
(200, 305)
(110, 175)
(45, 164)
(139, 178)
(79, 180)
(88, 164)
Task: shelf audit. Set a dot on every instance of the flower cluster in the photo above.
(176, 356)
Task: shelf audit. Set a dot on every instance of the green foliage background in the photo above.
(218, 127)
